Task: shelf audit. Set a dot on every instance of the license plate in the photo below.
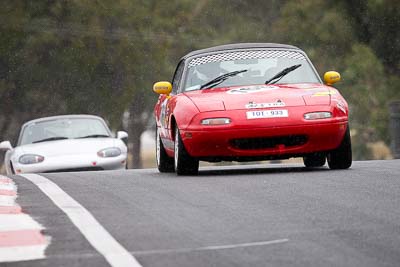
(260, 114)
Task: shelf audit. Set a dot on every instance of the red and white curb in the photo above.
(20, 235)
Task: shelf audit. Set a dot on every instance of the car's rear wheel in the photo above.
(184, 163)
(341, 157)
(164, 162)
(314, 160)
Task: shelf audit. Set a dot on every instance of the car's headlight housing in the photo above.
(318, 115)
(216, 121)
(109, 152)
(30, 159)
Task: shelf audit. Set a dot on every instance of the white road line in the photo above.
(93, 231)
(183, 250)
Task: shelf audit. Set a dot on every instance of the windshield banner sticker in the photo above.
(265, 105)
(252, 89)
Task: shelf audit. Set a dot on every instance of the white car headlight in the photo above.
(216, 121)
(317, 115)
(109, 152)
(30, 159)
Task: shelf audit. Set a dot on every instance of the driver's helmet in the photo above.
(208, 71)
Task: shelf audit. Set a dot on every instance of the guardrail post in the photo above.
(394, 128)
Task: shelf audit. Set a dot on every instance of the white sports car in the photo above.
(65, 143)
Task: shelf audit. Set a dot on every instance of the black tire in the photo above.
(341, 157)
(12, 168)
(164, 162)
(314, 160)
(184, 163)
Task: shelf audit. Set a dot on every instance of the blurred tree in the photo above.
(376, 24)
(347, 36)
(366, 88)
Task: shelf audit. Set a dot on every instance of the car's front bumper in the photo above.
(222, 143)
(71, 163)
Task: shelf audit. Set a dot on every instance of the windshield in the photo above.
(65, 128)
(260, 65)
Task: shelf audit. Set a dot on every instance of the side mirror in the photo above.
(331, 77)
(162, 88)
(122, 135)
(5, 145)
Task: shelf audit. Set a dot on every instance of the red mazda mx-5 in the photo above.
(250, 102)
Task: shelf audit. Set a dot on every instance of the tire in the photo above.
(164, 162)
(184, 163)
(341, 157)
(314, 160)
(12, 168)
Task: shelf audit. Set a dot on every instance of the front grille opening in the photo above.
(268, 142)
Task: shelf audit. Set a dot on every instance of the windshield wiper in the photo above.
(282, 73)
(51, 139)
(221, 78)
(93, 136)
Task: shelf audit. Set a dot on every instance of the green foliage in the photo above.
(335, 38)
(365, 86)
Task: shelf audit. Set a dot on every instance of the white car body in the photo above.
(72, 154)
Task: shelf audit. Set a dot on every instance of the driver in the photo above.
(205, 72)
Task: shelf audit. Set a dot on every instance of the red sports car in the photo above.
(250, 102)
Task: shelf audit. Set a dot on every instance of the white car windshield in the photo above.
(257, 67)
(65, 128)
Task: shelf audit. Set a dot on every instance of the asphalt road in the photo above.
(250, 215)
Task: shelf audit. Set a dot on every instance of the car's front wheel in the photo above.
(341, 157)
(164, 162)
(184, 163)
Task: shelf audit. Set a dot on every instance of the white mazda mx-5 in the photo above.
(65, 143)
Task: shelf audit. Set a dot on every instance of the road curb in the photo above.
(21, 236)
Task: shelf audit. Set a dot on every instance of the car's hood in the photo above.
(66, 147)
(242, 97)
